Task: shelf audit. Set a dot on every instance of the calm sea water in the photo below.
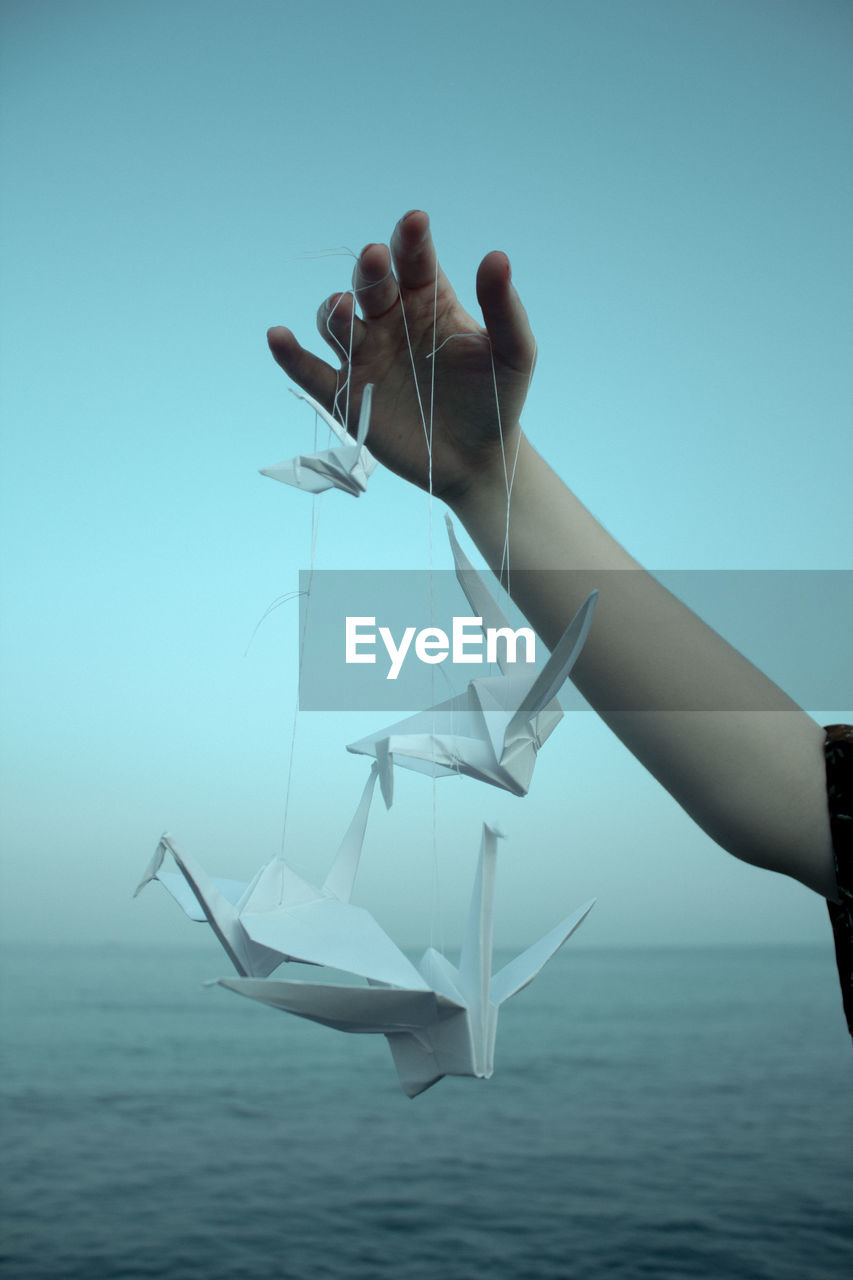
(653, 1114)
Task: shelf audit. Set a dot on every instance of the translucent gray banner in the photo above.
(417, 628)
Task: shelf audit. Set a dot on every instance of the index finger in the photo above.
(504, 315)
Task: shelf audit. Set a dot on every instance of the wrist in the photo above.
(482, 493)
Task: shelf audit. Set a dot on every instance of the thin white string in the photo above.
(347, 351)
(505, 550)
(509, 475)
(427, 423)
(279, 600)
(316, 503)
(432, 401)
(480, 337)
(435, 915)
(310, 255)
(417, 385)
(511, 481)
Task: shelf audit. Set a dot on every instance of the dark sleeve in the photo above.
(838, 749)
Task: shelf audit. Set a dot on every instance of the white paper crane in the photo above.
(279, 916)
(494, 729)
(347, 466)
(443, 1024)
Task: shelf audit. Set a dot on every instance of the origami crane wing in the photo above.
(341, 878)
(528, 700)
(332, 933)
(521, 971)
(421, 1025)
(449, 738)
(492, 732)
(281, 917)
(408, 1018)
(478, 595)
(374, 1010)
(348, 466)
(540, 698)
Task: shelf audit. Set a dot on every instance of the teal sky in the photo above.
(672, 180)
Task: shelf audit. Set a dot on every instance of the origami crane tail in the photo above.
(547, 684)
(475, 961)
(477, 593)
(341, 878)
(521, 971)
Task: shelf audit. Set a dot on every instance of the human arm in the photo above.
(735, 751)
(672, 689)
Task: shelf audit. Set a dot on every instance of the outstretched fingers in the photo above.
(503, 314)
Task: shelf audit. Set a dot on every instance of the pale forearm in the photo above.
(743, 760)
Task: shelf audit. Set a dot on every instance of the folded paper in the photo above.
(494, 729)
(347, 466)
(445, 1024)
(279, 916)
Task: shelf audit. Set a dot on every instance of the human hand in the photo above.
(467, 396)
